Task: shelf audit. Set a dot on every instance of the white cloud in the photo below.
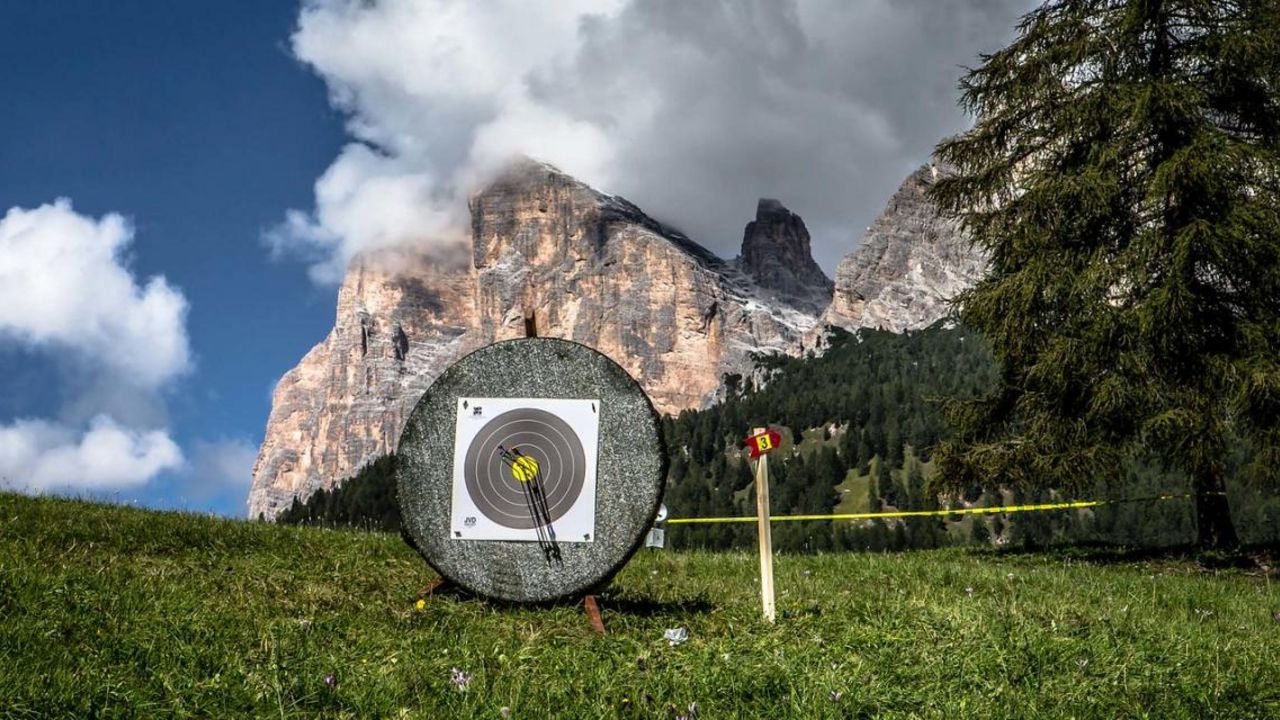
(692, 110)
(364, 201)
(63, 286)
(66, 291)
(40, 455)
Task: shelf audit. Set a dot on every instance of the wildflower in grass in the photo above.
(504, 712)
(807, 573)
(304, 623)
(1009, 577)
(460, 678)
(1276, 616)
(331, 681)
(1083, 663)
(835, 695)
(421, 604)
(969, 591)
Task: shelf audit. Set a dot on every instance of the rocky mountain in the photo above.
(908, 264)
(776, 254)
(548, 251)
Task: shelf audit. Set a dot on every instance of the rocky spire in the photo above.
(776, 254)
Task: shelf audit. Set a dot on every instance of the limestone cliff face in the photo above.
(908, 264)
(546, 248)
(776, 254)
(401, 318)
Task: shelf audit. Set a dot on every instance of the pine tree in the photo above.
(1124, 175)
(874, 489)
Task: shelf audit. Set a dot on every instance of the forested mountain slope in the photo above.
(859, 421)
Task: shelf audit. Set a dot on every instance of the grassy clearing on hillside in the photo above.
(116, 612)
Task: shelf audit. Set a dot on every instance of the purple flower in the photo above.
(460, 678)
(331, 680)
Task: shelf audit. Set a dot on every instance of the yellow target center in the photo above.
(524, 468)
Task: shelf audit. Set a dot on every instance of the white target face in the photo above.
(525, 469)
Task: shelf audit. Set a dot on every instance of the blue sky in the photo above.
(197, 124)
(183, 183)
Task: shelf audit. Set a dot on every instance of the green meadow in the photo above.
(109, 611)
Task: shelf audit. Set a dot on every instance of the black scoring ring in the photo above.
(562, 466)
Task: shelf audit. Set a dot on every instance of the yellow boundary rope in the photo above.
(1073, 505)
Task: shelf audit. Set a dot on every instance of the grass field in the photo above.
(116, 612)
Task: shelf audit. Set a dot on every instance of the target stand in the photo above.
(530, 472)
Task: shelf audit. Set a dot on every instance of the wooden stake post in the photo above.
(762, 441)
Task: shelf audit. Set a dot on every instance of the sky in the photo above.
(183, 184)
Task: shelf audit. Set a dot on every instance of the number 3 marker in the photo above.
(763, 443)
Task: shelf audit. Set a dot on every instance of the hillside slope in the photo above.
(859, 422)
(118, 612)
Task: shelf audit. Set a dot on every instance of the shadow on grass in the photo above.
(438, 590)
(1251, 558)
(643, 607)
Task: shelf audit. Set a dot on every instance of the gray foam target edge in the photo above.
(631, 470)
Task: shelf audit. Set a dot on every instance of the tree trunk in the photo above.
(1214, 528)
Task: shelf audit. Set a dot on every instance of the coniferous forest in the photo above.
(859, 422)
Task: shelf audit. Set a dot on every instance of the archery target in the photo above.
(506, 450)
(624, 458)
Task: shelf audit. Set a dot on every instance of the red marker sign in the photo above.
(765, 442)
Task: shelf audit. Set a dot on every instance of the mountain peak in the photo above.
(769, 206)
(909, 264)
(776, 254)
(547, 252)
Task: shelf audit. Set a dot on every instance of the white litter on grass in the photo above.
(675, 636)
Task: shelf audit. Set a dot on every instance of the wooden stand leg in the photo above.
(433, 587)
(593, 613)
